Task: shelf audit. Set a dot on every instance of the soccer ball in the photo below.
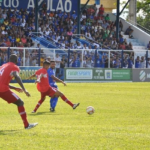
(90, 110)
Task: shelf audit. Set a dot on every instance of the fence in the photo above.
(77, 58)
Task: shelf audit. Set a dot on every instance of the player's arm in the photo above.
(16, 88)
(31, 77)
(58, 80)
(19, 81)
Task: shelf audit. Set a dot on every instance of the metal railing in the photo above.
(80, 57)
(139, 26)
(89, 40)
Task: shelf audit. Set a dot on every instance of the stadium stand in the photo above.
(58, 30)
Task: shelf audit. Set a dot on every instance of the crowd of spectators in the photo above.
(96, 28)
(16, 27)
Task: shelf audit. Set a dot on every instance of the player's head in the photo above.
(52, 65)
(46, 64)
(13, 58)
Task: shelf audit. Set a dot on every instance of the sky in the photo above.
(126, 11)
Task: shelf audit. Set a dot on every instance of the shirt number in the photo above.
(2, 71)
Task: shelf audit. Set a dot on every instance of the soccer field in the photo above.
(121, 120)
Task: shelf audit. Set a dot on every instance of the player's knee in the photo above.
(19, 102)
(60, 93)
(43, 98)
(56, 94)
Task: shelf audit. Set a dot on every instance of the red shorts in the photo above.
(9, 96)
(50, 92)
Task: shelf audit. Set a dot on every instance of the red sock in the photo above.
(66, 100)
(23, 115)
(38, 105)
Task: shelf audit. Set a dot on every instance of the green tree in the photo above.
(143, 18)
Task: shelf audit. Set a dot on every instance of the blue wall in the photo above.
(52, 5)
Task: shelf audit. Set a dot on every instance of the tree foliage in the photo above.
(143, 10)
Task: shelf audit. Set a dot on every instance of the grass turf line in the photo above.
(121, 120)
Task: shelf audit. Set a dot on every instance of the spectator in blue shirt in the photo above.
(130, 62)
(76, 60)
(60, 14)
(148, 46)
(129, 31)
(117, 63)
(13, 40)
(103, 62)
(121, 39)
(19, 16)
(1, 19)
(137, 62)
(74, 16)
(19, 60)
(98, 62)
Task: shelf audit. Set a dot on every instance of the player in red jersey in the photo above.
(45, 89)
(7, 72)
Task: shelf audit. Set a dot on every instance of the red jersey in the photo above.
(6, 76)
(43, 85)
(101, 10)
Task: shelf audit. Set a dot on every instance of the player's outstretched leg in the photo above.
(38, 105)
(64, 98)
(53, 103)
(43, 96)
(23, 114)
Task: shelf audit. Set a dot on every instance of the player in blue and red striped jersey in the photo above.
(45, 89)
(7, 72)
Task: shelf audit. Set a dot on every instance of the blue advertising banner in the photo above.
(26, 72)
(97, 2)
(52, 5)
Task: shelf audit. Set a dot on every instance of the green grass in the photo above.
(121, 120)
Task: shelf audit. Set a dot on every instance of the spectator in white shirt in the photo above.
(83, 16)
(55, 40)
(47, 32)
(87, 34)
(79, 46)
(57, 60)
(63, 44)
(4, 15)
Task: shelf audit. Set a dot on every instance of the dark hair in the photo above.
(46, 62)
(13, 58)
(52, 61)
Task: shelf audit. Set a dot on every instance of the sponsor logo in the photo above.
(142, 75)
(99, 74)
(108, 74)
(79, 74)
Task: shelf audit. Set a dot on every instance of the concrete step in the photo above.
(139, 48)
(126, 36)
(122, 33)
(131, 40)
(137, 44)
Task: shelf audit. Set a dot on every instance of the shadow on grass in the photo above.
(6, 132)
(45, 113)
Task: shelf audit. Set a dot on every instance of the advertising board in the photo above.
(141, 75)
(26, 72)
(52, 5)
(98, 74)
